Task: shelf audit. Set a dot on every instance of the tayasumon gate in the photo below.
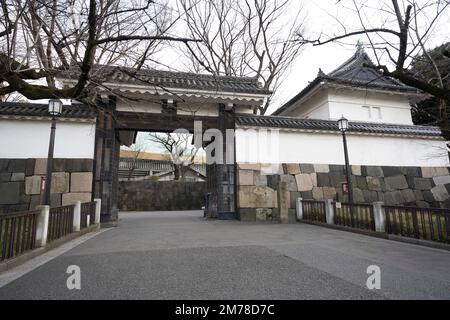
(157, 101)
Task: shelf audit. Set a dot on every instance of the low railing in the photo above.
(17, 233)
(60, 222)
(314, 210)
(363, 216)
(420, 223)
(87, 209)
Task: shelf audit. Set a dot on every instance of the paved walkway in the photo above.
(178, 255)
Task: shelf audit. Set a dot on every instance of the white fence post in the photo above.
(77, 217)
(98, 209)
(329, 211)
(299, 207)
(379, 216)
(42, 226)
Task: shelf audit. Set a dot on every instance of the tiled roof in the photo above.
(41, 110)
(329, 125)
(170, 79)
(353, 72)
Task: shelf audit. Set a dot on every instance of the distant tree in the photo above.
(249, 38)
(178, 146)
(398, 32)
(427, 111)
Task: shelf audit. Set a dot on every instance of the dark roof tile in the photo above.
(329, 125)
(41, 110)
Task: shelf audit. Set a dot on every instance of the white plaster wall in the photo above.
(29, 139)
(270, 146)
(394, 108)
(316, 107)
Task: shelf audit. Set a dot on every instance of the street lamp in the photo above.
(55, 110)
(343, 127)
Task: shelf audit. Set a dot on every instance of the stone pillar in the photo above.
(77, 217)
(283, 202)
(329, 211)
(42, 226)
(98, 209)
(299, 208)
(379, 216)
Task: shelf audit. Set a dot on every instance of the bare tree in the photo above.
(243, 38)
(41, 38)
(178, 146)
(399, 33)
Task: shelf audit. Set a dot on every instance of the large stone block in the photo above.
(81, 182)
(263, 214)
(40, 166)
(358, 195)
(337, 178)
(373, 183)
(73, 197)
(361, 182)
(18, 176)
(273, 181)
(33, 185)
(257, 197)
(321, 168)
(423, 183)
(249, 166)
(370, 196)
(10, 192)
(245, 178)
(337, 168)
(441, 180)
(260, 181)
(440, 193)
(59, 165)
(5, 176)
(428, 196)
(271, 168)
(317, 193)
(79, 165)
(4, 165)
(430, 172)
(329, 192)
(392, 171)
(422, 204)
(323, 180)
(291, 184)
(293, 168)
(418, 194)
(356, 170)
(29, 170)
(306, 168)
(374, 171)
(412, 171)
(60, 183)
(314, 179)
(17, 165)
(304, 182)
(247, 215)
(396, 183)
(307, 195)
(393, 198)
(409, 196)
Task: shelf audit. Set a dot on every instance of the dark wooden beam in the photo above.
(160, 122)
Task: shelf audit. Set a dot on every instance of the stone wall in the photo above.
(258, 186)
(20, 182)
(148, 195)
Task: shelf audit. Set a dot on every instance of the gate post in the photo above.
(379, 216)
(329, 211)
(77, 217)
(299, 208)
(42, 226)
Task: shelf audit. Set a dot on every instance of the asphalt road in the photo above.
(179, 255)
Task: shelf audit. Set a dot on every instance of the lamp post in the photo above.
(343, 127)
(55, 109)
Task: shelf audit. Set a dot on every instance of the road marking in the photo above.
(19, 271)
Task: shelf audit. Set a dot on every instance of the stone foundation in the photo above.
(258, 186)
(20, 182)
(148, 195)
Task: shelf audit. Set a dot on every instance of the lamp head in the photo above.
(343, 124)
(55, 107)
